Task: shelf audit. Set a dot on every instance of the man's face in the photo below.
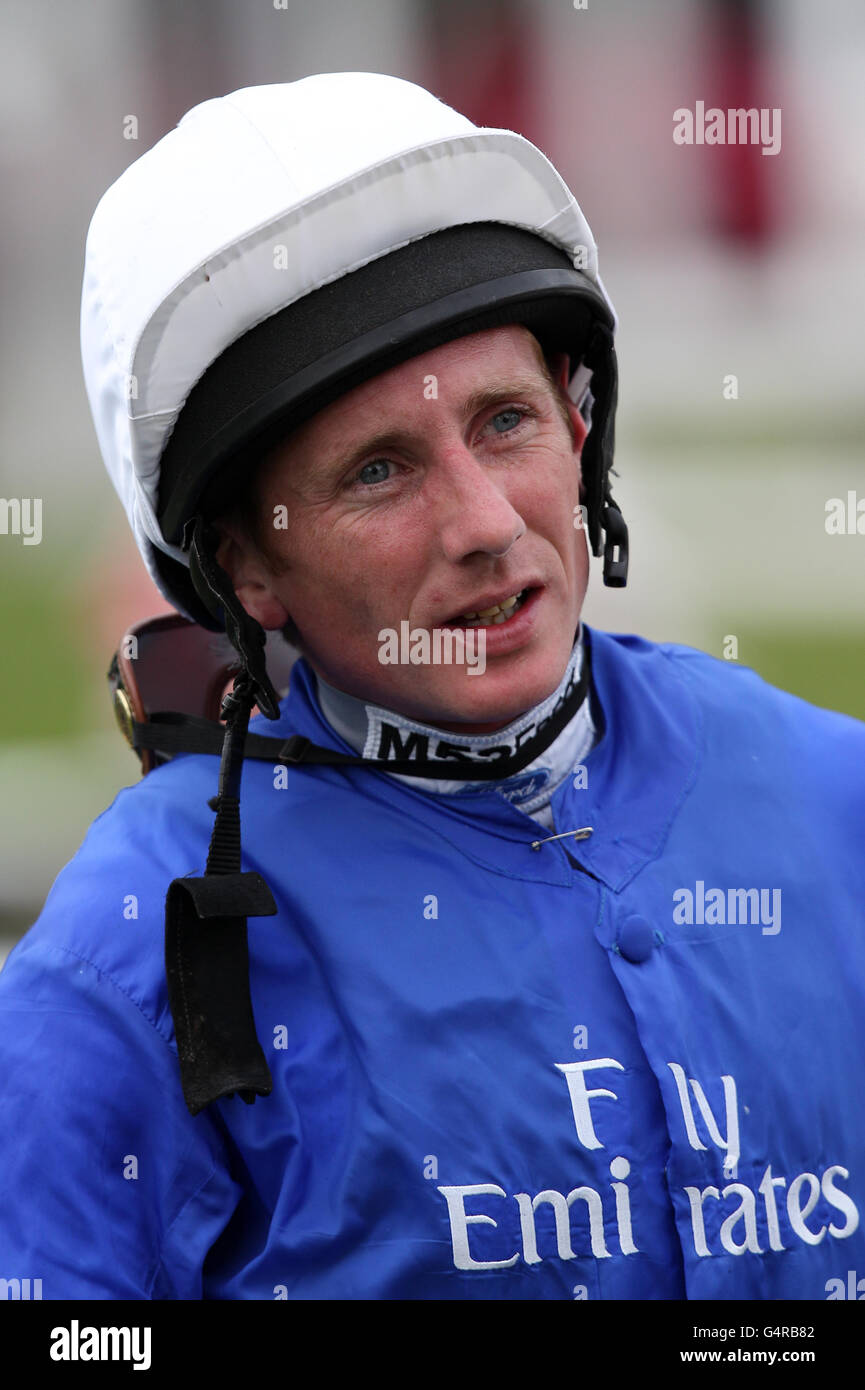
(439, 488)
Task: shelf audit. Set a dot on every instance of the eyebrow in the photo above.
(514, 389)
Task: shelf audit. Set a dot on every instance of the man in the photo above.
(555, 958)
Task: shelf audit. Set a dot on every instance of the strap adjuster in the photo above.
(294, 749)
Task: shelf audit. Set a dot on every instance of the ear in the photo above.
(559, 365)
(248, 571)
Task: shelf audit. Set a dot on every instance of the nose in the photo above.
(474, 514)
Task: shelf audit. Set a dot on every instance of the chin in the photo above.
(482, 703)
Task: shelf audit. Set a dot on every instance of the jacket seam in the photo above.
(159, 1265)
(104, 974)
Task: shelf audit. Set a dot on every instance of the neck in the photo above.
(559, 732)
(493, 728)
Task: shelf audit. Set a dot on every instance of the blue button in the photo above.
(636, 940)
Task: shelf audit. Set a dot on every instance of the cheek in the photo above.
(550, 505)
(339, 579)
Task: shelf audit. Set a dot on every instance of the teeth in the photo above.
(488, 617)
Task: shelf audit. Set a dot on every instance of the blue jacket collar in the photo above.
(634, 781)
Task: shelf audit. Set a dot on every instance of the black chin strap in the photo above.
(605, 516)
(172, 733)
(206, 943)
(206, 946)
(216, 591)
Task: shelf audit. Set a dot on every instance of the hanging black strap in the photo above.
(215, 589)
(206, 945)
(597, 459)
(185, 733)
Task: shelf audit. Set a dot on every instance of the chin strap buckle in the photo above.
(615, 547)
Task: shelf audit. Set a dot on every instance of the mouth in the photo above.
(494, 614)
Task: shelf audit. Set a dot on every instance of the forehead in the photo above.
(459, 369)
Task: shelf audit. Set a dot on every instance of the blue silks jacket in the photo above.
(628, 1070)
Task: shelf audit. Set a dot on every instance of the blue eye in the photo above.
(369, 469)
(515, 417)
